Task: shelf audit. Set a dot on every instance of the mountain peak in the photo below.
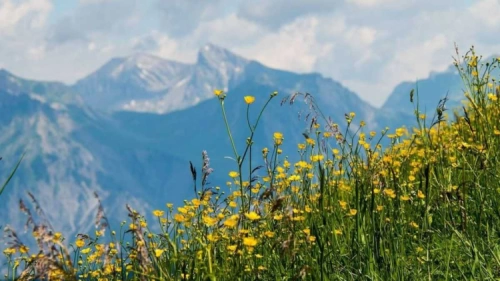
(143, 60)
(214, 56)
(123, 80)
(139, 62)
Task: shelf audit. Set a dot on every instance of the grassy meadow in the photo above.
(418, 203)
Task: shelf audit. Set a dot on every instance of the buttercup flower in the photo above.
(249, 99)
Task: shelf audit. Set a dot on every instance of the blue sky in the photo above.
(368, 45)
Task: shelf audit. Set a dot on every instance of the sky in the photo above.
(369, 46)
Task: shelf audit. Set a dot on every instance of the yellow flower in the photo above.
(158, 213)
(252, 216)
(209, 221)
(249, 99)
(316, 158)
(420, 194)
(57, 236)
(212, 238)
(343, 204)
(9, 251)
(278, 138)
(269, 234)
(353, 212)
(338, 231)
(250, 241)
(413, 224)
(404, 197)
(390, 193)
(196, 202)
(233, 174)
(233, 204)
(231, 222)
(278, 217)
(158, 252)
(218, 92)
(23, 249)
(80, 243)
(400, 132)
(231, 248)
(179, 218)
(307, 209)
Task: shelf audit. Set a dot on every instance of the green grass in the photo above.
(426, 206)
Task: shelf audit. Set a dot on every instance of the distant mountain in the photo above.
(52, 92)
(129, 81)
(72, 151)
(146, 83)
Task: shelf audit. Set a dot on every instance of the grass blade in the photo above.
(11, 175)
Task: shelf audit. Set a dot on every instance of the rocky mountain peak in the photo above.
(216, 57)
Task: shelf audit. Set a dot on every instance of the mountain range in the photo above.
(129, 130)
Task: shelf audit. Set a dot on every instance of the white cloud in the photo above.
(275, 14)
(162, 45)
(487, 11)
(180, 17)
(230, 31)
(380, 3)
(33, 12)
(293, 47)
(36, 53)
(97, 18)
(91, 46)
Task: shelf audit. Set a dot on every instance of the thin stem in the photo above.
(229, 131)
